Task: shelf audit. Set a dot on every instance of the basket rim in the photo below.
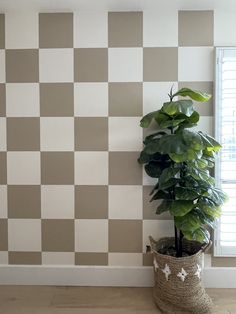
(173, 258)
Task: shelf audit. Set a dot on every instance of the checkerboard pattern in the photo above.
(73, 87)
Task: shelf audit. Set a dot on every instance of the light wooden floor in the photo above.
(93, 300)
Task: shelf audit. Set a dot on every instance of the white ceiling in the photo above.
(112, 5)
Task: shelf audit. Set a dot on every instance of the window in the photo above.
(225, 132)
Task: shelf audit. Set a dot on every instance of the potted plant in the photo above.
(181, 159)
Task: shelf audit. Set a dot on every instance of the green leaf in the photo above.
(153, 169)
(209, 142)
(170, 183)
(190, 154)
(180, 106)
(163, 207)
(167, 174)
(147, 119)
(192, 140)
(184, 193)
(195, 95)
(201, 174)
(171, 123)
(189, 222)
(173, 143)
(144, 158)
(180, 208)
(160, 195)
(149, 138)
(216, 195)
(201, 235)
(209, 207)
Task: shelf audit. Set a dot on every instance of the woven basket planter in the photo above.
(178, 287)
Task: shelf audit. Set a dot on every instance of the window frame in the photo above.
(219, 251)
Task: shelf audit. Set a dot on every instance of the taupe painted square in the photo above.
(125, 99)
(91, 64)
(3, 235)
(58, 235)
(23, 134)
(147, 259)
(25, 258)
(160, 64)
(91, 202)
(125, 29)
(3, 168)
(125, 236)
(55, 30)
(24, 201)
(98, 259)
(56, 99)
(149, 208)
(124, 168)
(204, 108)
(2, 31)
(57, 168)
(22, 65)
(91, 134)
(196, 28)
(223, 261)
(2, 100)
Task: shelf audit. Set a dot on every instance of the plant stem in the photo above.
(176, 241)
(180, 252)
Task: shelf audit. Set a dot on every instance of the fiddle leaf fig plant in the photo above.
(181, 159)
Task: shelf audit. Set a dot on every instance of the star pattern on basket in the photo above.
(156, 266)
(182, 274)
(166, 271)
(198, 272)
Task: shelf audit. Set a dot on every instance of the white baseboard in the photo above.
(214, 277)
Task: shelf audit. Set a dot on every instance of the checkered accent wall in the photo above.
(73, 87)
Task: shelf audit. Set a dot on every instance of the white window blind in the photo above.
(225, 131)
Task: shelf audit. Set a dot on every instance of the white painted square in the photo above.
(57, 134)
(91, 235)
(56, 65)
(196, 64)
(206, 125)
(57, 201)
(125, 202)
(3, 138)
(91, 168)
(157, 229)
(23, 168)
(125, 134)
(160, 27)
(90, 29)
(125, 64)
(3, 258)
(91, 99)
(21, 29)
(224, 23)
(58, 258)
(22, 100)
(155, 94)
(3, 201)
(24, 235)
(2, 66)
(125, 259)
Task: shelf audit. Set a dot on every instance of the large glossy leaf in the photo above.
(153, 169)
(216, 195)
(209, 142)
(167, 174)
(190, 154)
(147, 119)
(192, 140)
(185, 193)
(153, 136)
(181, 106)
(189, 222)
(171, 123)
(144, 158)
(160, 195)
(200, 234)
(209, 207)
(195, 95)
(201, 174)
(180, 208)
(163, 207)
(172, 144)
